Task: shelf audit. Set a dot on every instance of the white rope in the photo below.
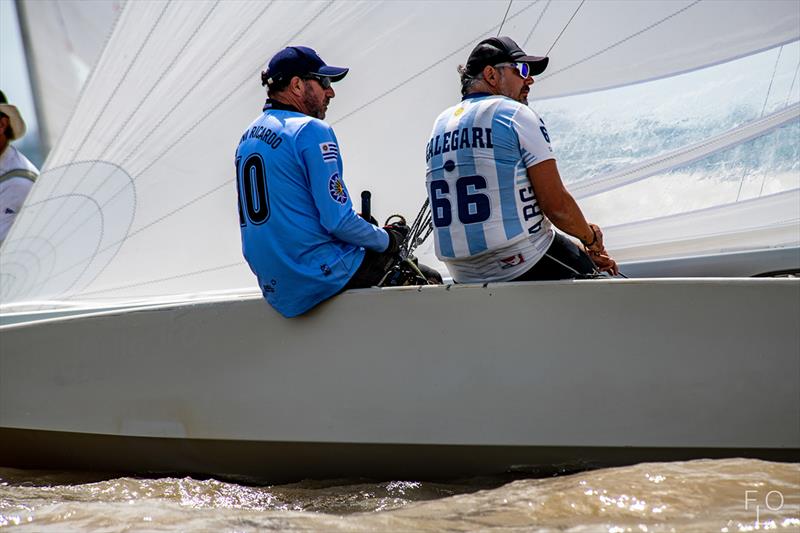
(565, 28)
(772, 79)
(504, 18)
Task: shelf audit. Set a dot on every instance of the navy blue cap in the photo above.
(298, 61)
(496, 50)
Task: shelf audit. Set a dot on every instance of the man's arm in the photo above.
(557, 203)
(562, 210)
(319, 152)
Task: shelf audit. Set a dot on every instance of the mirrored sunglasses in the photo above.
(524, 69)
(324, 81)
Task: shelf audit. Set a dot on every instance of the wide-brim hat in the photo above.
(496, 50)
(11, 111)
(299, 61)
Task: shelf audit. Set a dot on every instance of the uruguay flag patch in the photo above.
(330, 152)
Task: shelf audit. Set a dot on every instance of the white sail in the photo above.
(611, 43)
(138, 198)
(63, 41)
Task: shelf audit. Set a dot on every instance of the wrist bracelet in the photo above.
(594, 238)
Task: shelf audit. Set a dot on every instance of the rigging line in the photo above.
(565, 27)
(426, 69)
(771, 80)
(541, 16)
(504, 18)
(103, 109)
(622, 41)
(794, 79)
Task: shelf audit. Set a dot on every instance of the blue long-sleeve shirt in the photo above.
(300, 234)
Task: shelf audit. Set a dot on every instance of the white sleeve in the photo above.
(534, 141)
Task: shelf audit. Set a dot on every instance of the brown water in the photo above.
(734, 495)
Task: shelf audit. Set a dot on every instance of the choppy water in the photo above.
(733, 495)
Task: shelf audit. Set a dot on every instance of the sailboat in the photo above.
(134, 337)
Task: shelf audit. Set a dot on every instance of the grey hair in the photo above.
(467, 81)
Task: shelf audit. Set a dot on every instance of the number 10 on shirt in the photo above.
(252, 177)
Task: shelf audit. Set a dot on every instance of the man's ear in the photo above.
(490, 74)
(297, 86)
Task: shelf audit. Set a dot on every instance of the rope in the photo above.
(621, 41)
(794, 79)
(420, 229)
(504, 18)
(565, 27)
(419, 73)
(772, 79)
(763, 108)
(541, 16)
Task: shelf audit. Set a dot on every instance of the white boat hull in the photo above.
(419, 382)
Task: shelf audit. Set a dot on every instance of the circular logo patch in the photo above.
(336, 189)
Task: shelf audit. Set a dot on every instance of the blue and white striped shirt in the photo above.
(488, 225)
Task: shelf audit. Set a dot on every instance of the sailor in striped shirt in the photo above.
(493, 184)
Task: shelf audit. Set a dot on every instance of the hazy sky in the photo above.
(13, 71)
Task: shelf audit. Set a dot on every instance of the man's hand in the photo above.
(595, 242)
(604, 262)
(397, 234)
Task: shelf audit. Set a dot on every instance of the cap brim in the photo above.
(538, 64)
(334, 73)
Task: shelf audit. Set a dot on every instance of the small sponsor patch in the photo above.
(330, 152)
(337, 190)
(509, 262)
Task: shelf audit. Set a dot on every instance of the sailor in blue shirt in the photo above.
(493, 184)
(300, 234)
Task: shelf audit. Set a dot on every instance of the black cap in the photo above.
(496, 50)
(297, 61)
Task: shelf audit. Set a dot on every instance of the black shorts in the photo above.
(563, 260)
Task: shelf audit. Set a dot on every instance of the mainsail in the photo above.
(138, 201)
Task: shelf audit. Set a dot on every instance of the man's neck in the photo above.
(273, 103)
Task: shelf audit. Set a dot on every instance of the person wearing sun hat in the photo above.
(300, 234)
(17, 174)
(493, 185)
